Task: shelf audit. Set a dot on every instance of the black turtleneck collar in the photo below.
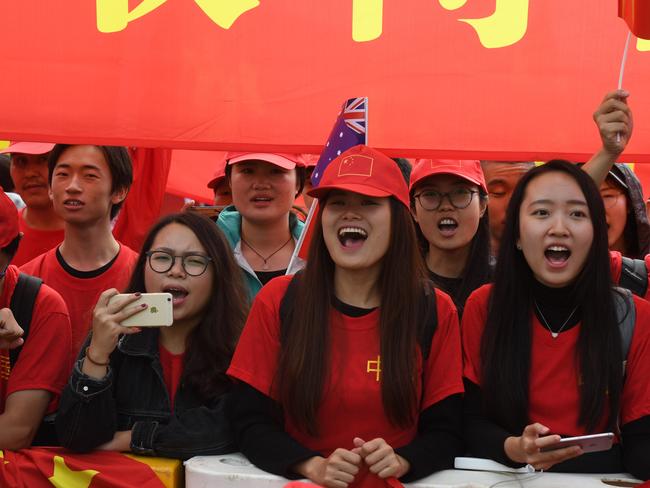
(556, 304)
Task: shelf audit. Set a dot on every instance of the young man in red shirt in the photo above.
(41, 227)
(87, 185)
(31, 381)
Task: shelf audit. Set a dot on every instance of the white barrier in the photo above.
(235, 471)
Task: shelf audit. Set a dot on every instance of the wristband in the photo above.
(96, 363)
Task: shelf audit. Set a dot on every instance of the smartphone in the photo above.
(159, 311)
(588, 443)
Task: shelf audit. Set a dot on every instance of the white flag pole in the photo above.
(293, 263)
(622, 71)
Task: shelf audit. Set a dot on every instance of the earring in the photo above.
(518, 246)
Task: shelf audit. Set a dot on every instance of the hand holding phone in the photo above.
(158, 312)
(588, 443)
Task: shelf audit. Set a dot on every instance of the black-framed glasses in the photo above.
(194, 264)
(459, 198)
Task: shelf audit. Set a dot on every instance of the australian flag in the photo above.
(349, 130)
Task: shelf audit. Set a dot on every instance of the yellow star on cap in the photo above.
(64, 477)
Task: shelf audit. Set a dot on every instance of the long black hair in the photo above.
(506, 342)
(210, 345)
(305, 345)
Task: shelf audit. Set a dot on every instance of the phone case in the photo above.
(159, 313)
(588, 443)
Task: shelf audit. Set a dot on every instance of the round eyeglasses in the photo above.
(459, 198)
(162, 261)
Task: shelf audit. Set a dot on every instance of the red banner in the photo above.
(454, 78)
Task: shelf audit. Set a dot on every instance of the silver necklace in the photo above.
(554, 334)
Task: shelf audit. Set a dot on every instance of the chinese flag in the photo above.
(59, 468)
(637, 15)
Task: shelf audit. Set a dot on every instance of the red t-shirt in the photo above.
(81, 294)
(554, 398)
(45, 361)
(351, 404)
(34, 242)
(616, 265)
(172, 366)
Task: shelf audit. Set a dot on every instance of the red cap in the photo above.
(8, 220)
(286, 161)
(468, 169)
(28, 148)
(363, 170)
(218, 176)
(309, 160)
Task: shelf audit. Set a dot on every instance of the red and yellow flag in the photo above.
(59, 468)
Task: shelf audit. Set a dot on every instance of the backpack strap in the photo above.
(634, 276)
(22, 306)
(626, 318)
(430, 324)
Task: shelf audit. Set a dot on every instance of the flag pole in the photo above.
(293, 263)
(622, 71)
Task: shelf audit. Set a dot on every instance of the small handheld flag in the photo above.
(350, 129)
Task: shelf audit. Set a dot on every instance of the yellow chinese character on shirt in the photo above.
(114, 15)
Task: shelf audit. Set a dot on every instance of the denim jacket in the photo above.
(133, 396)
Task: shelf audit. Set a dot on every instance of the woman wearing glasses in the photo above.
(161, 391)
(448, 202)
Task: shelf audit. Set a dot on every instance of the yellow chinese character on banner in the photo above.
(114, 15)
(505, 27)
(367, 19)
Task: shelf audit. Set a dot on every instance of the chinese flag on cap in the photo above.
(637, 15)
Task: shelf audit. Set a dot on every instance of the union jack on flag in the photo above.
(354, 114)
(349, 130)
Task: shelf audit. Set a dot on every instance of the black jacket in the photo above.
(133, 396)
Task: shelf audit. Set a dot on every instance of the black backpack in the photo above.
(425, 336)
(22, 306)
(634, 276)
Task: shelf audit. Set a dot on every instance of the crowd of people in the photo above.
(451, 308)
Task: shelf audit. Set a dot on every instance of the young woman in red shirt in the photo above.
(346, 379)
(449, 202)
(544, 346)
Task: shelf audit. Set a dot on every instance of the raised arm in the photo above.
(615, 123)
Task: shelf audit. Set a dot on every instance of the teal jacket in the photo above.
(229, 222)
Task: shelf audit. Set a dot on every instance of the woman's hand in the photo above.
(381, 458)
(614, 120)
(527, 448)
(121, 442)
(336, 471)
(106, 323)
(107, 330)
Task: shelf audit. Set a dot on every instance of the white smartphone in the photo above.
(159, 311)
(588, 443)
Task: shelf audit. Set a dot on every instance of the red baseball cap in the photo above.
(363, 170)
(309, 160)
(283, 160)
(218, 176)
(28, 148)
(8, 220)
(468, 169)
